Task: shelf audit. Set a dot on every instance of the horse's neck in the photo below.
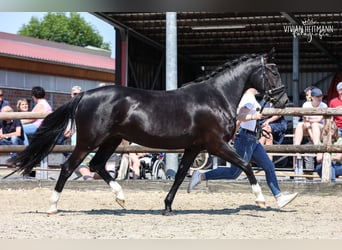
(234, 82)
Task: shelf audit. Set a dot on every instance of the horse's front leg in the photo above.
(187, 159)
(229, 154)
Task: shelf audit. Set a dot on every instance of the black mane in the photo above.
(225, 66)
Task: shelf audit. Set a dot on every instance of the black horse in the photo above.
(201, 115)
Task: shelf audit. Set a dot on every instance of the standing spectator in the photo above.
(11, 131)
(75, 90)
(337, 103)
(42, 106)
(311, 124)
(248, 147)
(84, 168)
(336, 158)
(3, 102)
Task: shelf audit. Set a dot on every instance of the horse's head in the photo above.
(266, 79)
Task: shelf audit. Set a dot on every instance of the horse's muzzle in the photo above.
(278, 97)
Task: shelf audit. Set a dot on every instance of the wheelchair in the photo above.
(152, 166)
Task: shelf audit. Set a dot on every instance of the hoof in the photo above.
(120, 202)
(261, 204)
(52, 212)
(168, 213)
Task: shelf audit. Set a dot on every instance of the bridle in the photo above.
(273, 95)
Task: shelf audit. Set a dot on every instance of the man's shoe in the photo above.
(285, 199)
(195, 180)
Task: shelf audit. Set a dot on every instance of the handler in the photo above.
(248, 147)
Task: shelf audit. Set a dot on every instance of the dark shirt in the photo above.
(11, 126)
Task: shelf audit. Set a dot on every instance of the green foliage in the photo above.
(61, 28)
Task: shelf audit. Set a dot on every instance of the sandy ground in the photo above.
(88, 211)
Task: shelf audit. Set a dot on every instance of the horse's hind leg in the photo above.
(67, 168)
(229, 154)
(98, 163)
(188, 158)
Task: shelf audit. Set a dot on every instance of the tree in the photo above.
(59, 27)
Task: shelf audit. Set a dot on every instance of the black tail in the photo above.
(44, 140)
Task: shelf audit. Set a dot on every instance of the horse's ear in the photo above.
(270, 56)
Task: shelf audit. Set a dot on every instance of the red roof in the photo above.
(31, 48)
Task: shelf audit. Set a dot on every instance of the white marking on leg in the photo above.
(260, 200)
(53, 202)
(117, 189)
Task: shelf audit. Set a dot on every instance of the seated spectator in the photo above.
(84, 168)
(336, 158)
(124, 163)
(42, 106)
(274, 128)
(134, 163)
(11, 131)
(307, 92)
(337, 103)
(311, 125)
(23, 106)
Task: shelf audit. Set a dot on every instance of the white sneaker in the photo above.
(195, 180)
(285, 199)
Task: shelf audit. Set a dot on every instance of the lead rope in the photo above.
(259, 131)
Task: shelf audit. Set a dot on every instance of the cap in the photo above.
(316, 92)
(339, 86)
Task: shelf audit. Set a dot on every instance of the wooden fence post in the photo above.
(326, 162)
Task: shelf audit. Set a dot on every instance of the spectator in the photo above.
(75, 90)
(11, 131)
(3, 102)
(337, 103)
(307, 92)
(23, 106)
(275, 129)
(134, 163)
(124, 163)
(336, 158)
(83, 169)
(42, 106)
(248, 147)
(311, 125)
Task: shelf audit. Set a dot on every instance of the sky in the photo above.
(11, 22)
